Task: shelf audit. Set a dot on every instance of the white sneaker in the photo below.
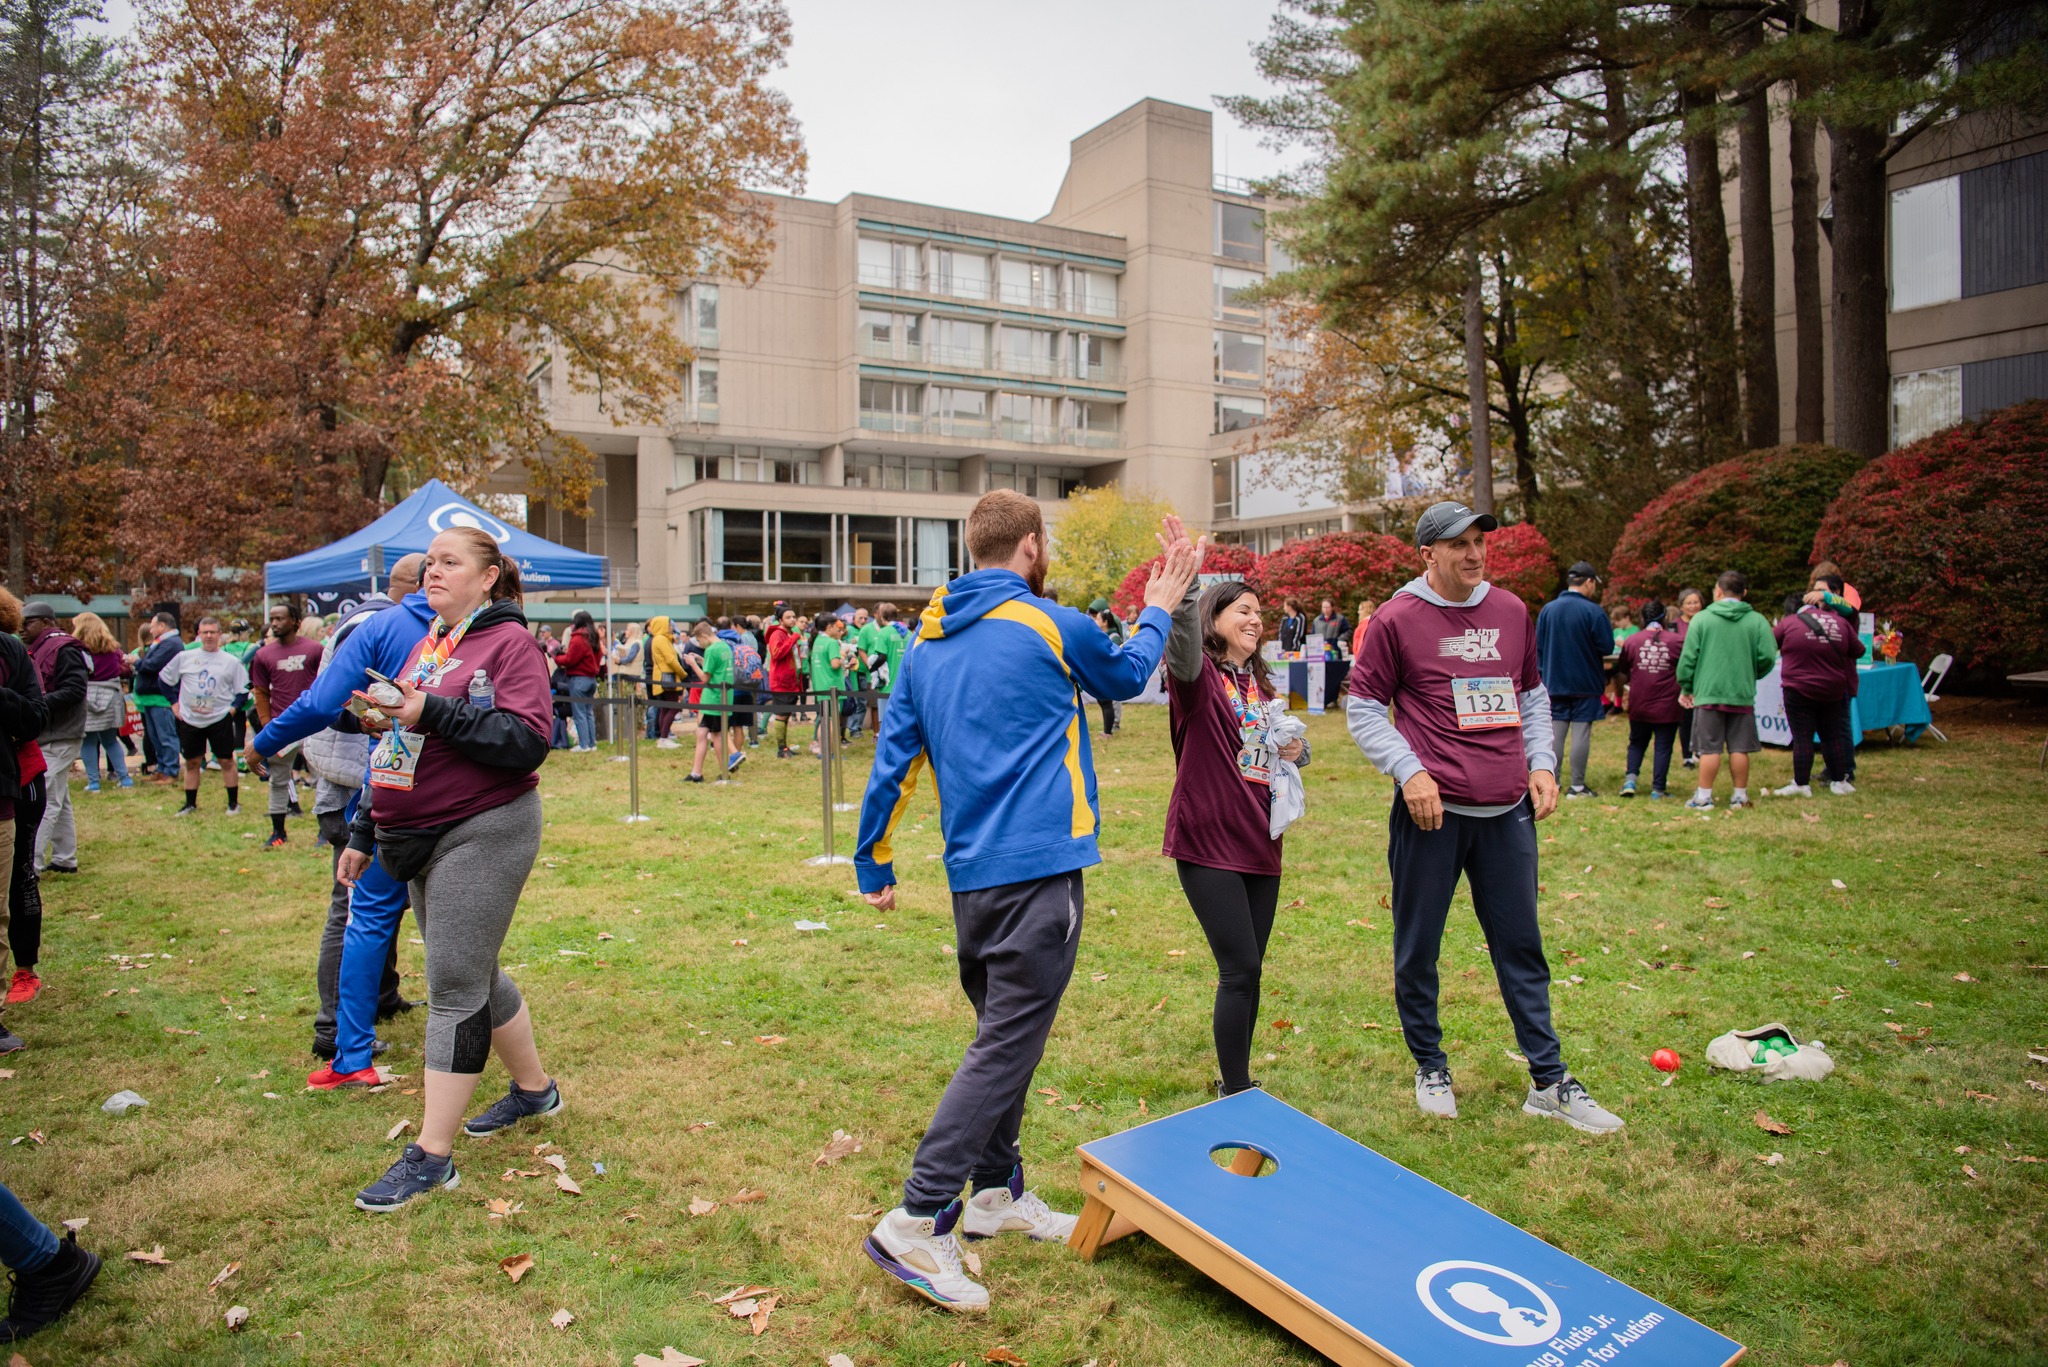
(1566, 1100)
(1433, 1092)
(1013, 1210)
(1793, 790)
(924, 1255)
(1698, 803)
(665, 743)
(1841, 787)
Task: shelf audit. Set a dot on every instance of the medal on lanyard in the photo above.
(439, 648)
(396, 760)
(1254, 760)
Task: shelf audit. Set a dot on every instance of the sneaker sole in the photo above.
(454, 1181)
(912, 1278)
(555, 1109)
(1579, 1125)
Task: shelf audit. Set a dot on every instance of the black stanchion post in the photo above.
(633, 760)
(828, 757)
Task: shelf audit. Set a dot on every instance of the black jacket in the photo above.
(23, 713)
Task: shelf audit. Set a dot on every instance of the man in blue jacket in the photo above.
(1573, 638)
(989, 700)
(377, 903)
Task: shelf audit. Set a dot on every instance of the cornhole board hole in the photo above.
(1360, 1258)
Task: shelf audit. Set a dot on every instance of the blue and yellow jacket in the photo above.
(990, 702)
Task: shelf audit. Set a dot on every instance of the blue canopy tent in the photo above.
(359, 561)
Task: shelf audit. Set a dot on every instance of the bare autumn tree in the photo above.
(379, 212)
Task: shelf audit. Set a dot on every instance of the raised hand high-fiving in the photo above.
(1180, 561)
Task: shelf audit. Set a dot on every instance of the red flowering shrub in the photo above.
(1756, 513)
(1344, 566)
(1519, 559)
(1943, 537)
(1129, 598)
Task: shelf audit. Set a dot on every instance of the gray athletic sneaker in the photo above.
(514, 1107)
(1566, 1100)
(1433, 1092)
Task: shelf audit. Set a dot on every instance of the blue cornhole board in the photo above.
(1364, 1260)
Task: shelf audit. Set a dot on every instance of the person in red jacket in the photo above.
(453, 807)
(785, 675)
(580, 662)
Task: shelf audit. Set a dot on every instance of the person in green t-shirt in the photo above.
(712, 664)
(883, 644)
(829, 652)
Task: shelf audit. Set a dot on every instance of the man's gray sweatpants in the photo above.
(463, 903)
(1016, 951)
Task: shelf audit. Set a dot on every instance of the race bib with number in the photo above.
(1255, 764)
(396, 760)
(1483, 704)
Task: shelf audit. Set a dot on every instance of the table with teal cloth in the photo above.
(1889, 695)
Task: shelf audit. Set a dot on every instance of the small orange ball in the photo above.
(1665, 1060)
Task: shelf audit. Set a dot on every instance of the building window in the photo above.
(1095, 357)
(703, 314)
(703, 391)
(1223, 487)
(1029, 351)
(1924, 402)
(731, 545)
(891, 336)
(1049, 482)
(1094, 292)
(1230, 304)
(1027, 418)
(889, 407)
(1241, 359)
(1237, 412)
(964, 275)
(891, 265)
(959, 410)
(1034, 284)
(542, 378)
(1240, 232)
(804, 552)
(746, 464)
(934, 550)
(888, 470)
(1091, 416)
(1927, 244)
(956, 341)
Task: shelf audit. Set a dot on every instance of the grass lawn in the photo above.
(655, 957)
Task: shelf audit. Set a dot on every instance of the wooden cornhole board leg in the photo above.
(1366, 1262)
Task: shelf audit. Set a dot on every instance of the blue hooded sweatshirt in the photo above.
(1573, 639)
(382, 643)
(990, 701)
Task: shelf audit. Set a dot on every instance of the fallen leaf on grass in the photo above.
(1297, 902)
(1716, 902)
(2037, 1085)
(700, 1125)
(396, 1130)
(1840, 886)
(511, 1173)
(1004, 1355)
(237, 1316)
(155, 1256)
(745, 1196)
(1175, 953)
(568, 1184)
(841, 1146)
(758, 1320)
(1386, 902)
(1283, 1024)
(629, 1217)
(1809, 816)
(770, 1040)
(561, 1319)
(670, 1357)
(1970, 1172)
(500, 1207)
(604, 935)
(230, 1270)
(35, 1136)
(556, 1161)
(1770, 1126)
(839, 1360)
(1964, 978)
(1964, 1148)
(1092, 977)
(543, 1146)
(700, 1206)
(517, 1266)
(1770, 1160)
(742, 1293)
(1978, 1096)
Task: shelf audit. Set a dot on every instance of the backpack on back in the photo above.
(746, 666)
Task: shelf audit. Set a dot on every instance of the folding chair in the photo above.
(1937, 672)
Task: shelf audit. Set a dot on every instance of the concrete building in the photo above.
(898, 360)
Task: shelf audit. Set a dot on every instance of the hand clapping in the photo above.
(1180, 561)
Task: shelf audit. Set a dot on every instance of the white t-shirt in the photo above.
(207, 682)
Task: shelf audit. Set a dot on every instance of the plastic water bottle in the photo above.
(481, 694)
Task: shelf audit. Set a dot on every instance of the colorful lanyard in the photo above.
(1251, 716)
(440, 644)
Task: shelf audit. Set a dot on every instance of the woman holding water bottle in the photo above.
(452, 806)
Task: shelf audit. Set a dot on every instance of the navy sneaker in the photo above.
(514, 1107)
(415, 1174)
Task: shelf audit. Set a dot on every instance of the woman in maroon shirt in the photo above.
(452, 807)
(1218, 821)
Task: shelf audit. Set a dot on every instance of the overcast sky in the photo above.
(970, 104)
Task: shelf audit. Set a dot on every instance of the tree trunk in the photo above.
(1861, 354)
(1477, 404)
(1713, 284)
(1514, 398)
(1761, 422)
(1809, 383)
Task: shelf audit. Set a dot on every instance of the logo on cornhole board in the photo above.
(1488, 1303)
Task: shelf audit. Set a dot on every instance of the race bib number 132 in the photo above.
(1483, 704)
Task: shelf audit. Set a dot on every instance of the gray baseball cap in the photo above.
(1442, 521)
(36, 609)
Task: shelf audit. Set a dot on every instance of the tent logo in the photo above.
(462, 515)
(1488, 1299)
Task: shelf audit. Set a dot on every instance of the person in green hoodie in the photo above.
(1728, 648)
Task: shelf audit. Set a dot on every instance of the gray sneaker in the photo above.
(514, 1107)
(1566, 1100)
(1433, 1092)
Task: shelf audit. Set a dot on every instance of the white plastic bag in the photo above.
(1290, 798)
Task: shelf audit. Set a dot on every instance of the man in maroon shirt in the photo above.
(1473, 755)
(282, 668)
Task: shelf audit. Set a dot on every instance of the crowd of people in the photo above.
(419, 722)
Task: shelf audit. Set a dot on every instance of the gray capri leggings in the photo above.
(463, 902)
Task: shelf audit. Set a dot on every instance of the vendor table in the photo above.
(1887, 695)
(2035, 682)
(1312, 685)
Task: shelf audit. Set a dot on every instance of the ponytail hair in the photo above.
(483, 549)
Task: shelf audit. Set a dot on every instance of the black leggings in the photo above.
(1829, 717)
(1236, 911)
(25, 894)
